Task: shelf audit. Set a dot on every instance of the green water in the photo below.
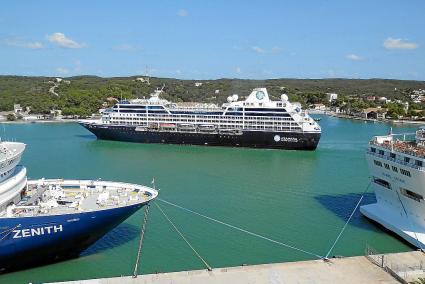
(301, 198)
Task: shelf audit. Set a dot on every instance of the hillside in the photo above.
(86, 94)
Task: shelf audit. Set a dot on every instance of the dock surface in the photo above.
(358, 269)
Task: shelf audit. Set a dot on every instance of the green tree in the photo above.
(11, 117)
(394, 110)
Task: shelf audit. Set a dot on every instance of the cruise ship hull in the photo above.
(251, 139)
(32, 241)
(399, 190)
(395, 222)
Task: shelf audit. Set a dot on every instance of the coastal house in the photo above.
(143, 80)
(331, 97)
(32, 117)
(17, 109)
(374, 113)
(321, 107)
(384, 100)
(55, 114)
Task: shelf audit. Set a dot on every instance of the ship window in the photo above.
(373, 150)
(133, 107)
(418, 163)
(411, 194)
(404, 172)
(387, 166)
(381, 152)
(378, 163)
(395, 169)
(382, 182)
(406, 159)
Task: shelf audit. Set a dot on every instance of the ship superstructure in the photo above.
(255, 122)
(397, 167)
(13, 178)
(51, 219)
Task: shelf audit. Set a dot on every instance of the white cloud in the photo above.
(124, 47)
(61, 40)
(238, 70)
(182, 13)
(354, 57)
(258, 49)
(178, 72)
(398, 43)
(62, 70)
(34, 45)
(24, 44)
(276, 49)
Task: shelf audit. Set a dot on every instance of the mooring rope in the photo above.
(242, 230)
(182, 236)
(348, 221)
(142, 234)
(410, 223)
(8, 231)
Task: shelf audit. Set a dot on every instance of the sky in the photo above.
(204, 39)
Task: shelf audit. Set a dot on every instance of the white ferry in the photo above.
(256, 122)
(397, 166)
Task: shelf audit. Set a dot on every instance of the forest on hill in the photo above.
(84, 95)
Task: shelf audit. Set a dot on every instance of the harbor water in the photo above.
(296, 197)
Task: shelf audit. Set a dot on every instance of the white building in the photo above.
(321, 107)
(17, 108)
(406, 107)
(32, 117)
(331, 97)
(143, 80)
(198, 84)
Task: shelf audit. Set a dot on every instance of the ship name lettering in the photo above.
(25, 233)
(289, 139)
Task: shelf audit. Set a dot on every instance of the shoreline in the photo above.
(40, 121)
(344, 116)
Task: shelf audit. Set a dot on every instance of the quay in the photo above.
(373, 268)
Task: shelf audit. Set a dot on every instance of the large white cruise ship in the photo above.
(397, 166)
(256, 122)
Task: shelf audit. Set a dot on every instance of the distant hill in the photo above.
(86, 94)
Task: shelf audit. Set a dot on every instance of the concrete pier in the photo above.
(398, 267)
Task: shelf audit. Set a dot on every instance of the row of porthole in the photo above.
(386, 166)
(6, 173)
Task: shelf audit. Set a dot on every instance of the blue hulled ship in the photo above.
(52, 219)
